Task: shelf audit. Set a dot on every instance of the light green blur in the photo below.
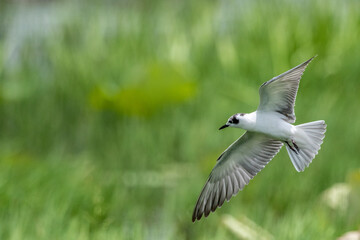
(109, 114)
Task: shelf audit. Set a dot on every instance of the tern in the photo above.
(267, 130)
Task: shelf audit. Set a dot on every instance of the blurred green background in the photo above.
(109, 113)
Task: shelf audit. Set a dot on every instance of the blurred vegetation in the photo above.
(109, 115)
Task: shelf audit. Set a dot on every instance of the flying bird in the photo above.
(267, 130)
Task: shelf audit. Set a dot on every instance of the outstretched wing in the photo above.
(234, 169)
(279, 93)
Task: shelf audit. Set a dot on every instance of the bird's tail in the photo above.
(307, 141)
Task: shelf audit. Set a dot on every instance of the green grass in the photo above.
(109, 115)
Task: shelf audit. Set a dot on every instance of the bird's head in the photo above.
(233, 121)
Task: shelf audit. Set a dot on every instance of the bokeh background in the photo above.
(109, 113)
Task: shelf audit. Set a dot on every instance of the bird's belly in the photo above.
(279, 129)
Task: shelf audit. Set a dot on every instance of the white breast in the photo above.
(270, 123)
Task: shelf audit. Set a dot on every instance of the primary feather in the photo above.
(235, 168)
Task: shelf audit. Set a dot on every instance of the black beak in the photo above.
(222, 127)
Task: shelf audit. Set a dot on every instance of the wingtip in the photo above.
(196, 216)
(312, 58)
(306, 62)
(193, 219)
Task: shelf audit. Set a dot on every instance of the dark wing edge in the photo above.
(230, 175)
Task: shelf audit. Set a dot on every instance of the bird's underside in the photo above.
(249, 154)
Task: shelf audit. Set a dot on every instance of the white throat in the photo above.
(247, 122)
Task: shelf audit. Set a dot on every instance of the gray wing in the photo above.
(234, 169)
(279, 93)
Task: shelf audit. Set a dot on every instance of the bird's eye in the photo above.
(235, 121)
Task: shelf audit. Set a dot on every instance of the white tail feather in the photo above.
(308, 138)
